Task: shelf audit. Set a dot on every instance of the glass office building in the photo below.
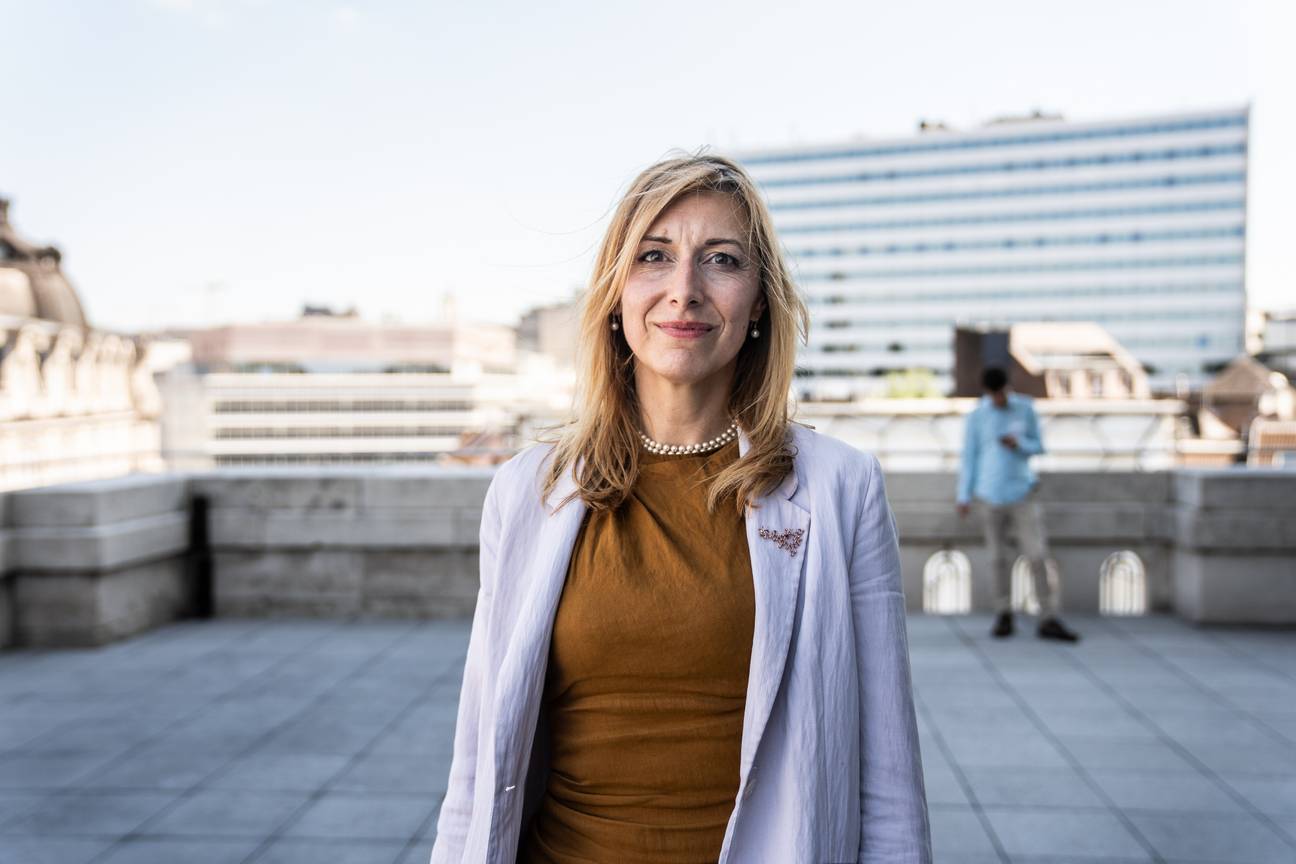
(1136, 224)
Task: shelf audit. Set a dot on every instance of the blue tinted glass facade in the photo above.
(1139, 225)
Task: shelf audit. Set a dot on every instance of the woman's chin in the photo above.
(682, 376)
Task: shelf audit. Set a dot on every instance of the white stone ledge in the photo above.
(299, 489)
(1236, 530)
(379, 527)
(345, 488)
(933, 488)
(100, 547)
(1226, 488)
(99, 502)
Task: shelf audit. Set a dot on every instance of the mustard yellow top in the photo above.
(647, 678)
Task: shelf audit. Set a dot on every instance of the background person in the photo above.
(1001, 436)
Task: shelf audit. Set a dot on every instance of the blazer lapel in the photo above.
(522, 671)
(777, 535)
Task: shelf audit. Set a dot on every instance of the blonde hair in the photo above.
(601, 442)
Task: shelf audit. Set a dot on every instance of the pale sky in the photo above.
(217, 160)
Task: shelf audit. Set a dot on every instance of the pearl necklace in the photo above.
(689, 449)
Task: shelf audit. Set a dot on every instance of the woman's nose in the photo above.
(686, 286)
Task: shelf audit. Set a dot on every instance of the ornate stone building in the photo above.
(75, 402)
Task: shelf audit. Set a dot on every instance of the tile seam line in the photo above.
(1170, 741)
(1039, 724)
(152, 636)
(959, 775)
(278, 832)
(187, 793)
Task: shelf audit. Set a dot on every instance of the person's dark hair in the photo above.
(994, 379)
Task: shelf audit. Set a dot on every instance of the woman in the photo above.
(689, 642)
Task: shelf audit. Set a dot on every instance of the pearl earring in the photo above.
(754, 332)
(615, 325)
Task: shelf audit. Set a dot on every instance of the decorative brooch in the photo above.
(789, 541)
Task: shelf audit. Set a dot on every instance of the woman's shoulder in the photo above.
(517, 480)
(818, 454)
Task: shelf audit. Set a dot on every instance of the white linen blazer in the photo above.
(830, 769)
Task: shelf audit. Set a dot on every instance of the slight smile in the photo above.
(685, 329)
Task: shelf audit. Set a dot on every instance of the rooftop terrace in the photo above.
(328, 742)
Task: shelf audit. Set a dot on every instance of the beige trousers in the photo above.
(1026, 518)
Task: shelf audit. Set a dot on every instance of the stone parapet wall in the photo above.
(86, 563)
(1233, 535)
(390, 542)
(1088, 516)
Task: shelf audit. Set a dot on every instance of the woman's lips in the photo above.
(685, 331)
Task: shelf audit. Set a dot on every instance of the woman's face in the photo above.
(692, 293)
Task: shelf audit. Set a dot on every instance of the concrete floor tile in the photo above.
(152, 769)
(1083, 834)
(1032, 787)
(50, 850)
(227, 813)
(385, 817)
(1187, 792)
(208, 850)
(270, 772)
(958, 831)
(1273, 795)
(1210, 837)
(1133, 754)
(48, 770)
(412, 775)
(290, 850)
(90, 814)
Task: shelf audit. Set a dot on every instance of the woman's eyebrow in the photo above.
(714, 241)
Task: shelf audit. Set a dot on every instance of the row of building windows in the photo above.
(1167, 181)
(1169, 154)
(261, 432)
(335, 406)
(1036, 216)
(1103, 239)
(1125, 290)
(1215, 315)
(1195, 342)
(882, 371)
(936, 143)
(235, 459)
(1036, 267)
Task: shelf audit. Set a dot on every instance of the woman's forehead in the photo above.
(700, 212)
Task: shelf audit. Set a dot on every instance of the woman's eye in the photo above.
(724, 259)
(653, 256)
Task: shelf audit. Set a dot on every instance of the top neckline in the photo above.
(687, 462)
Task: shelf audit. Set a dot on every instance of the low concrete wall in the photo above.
(1088, 516)
(89, 562)
(96, 561)
(6, 583)
(1234, 541)
(375, 541)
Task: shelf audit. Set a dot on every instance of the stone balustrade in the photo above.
(87, 563)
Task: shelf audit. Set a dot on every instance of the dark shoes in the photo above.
(1052, 628)
(1003, 625)
(1049, 628)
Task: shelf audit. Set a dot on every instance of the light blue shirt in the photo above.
(991, 471)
